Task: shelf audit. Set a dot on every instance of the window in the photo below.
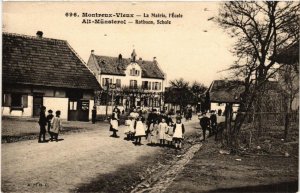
(145, 85)
(73, 105)
(134, 72)
(133, 84)
(16, 100)
(156, 85)
(118, 83)
(106, 81)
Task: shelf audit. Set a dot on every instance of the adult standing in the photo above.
(213, 122)
(94, 114)
(152, 118)
(204, 122)
(42, 123)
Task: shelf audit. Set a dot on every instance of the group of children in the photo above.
(53, 125)
(157, 131)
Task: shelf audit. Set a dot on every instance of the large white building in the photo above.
(129, 82)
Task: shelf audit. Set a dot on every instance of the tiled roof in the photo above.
(115, 66)
(229, 91)
(43, 61)
(223, 91)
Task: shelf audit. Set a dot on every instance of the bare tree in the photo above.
(261, 29)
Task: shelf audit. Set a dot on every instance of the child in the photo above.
(114, 123)
(49, 118)
(162, 129)
(169, 134)
(56, 125)
(139, 130)
(153, 131)
(130, 128)
(178, 133)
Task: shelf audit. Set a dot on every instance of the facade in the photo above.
(128, 82)
(40, 71)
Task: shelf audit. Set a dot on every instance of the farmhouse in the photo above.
(40, 71)
(128, 82)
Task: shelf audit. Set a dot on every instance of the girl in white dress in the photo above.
(153, 131)
(178, 133)
(162, 129)
(114, 123)
(139, 130)
(129, 131)
(169, 134)
(56, 125)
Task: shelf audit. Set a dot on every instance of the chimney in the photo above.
(120, 56)
(39, 34)
(92, 51)
(154, 60)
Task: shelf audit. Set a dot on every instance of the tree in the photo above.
(181, 93)
(198, 88)
(260, 30)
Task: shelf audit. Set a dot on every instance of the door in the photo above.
(78, 110)
(37, 104)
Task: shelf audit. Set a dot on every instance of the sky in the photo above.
(192, 47)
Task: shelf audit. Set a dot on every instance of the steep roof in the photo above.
(229, 91)
(116, 66)
(225, 91)
(43, 61)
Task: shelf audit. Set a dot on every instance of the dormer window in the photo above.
(134, 72)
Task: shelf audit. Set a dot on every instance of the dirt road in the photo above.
(28, 166)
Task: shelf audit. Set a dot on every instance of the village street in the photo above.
(28, 166)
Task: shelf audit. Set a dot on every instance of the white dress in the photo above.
(140, 129)
(114, 122)
(130, 127)
(162, 129)
(178, 131)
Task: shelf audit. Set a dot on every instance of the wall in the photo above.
(125, 80)
(57, 104)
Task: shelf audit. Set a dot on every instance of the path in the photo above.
(28, 166)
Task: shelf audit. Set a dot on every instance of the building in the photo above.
(221, 92)
(128, 82)
(40, 71)
(288, 76)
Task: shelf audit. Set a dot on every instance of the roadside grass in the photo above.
(210, 171)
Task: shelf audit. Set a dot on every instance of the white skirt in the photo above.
(114, 124)
(140, 129)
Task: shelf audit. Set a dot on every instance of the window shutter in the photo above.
(7, 100)
(25, 101)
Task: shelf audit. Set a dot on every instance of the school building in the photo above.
(127, 82)
(39, 71)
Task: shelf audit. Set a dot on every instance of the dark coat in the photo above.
(42, 119)
(204, 122)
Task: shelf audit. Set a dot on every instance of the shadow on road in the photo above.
(291, 186)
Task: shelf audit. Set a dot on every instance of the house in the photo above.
(288, 76)
(128, 82)
(221, 92)
(39, 71)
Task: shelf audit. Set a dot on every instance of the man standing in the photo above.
(204, 123)
(42, 123)
(213, 122)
